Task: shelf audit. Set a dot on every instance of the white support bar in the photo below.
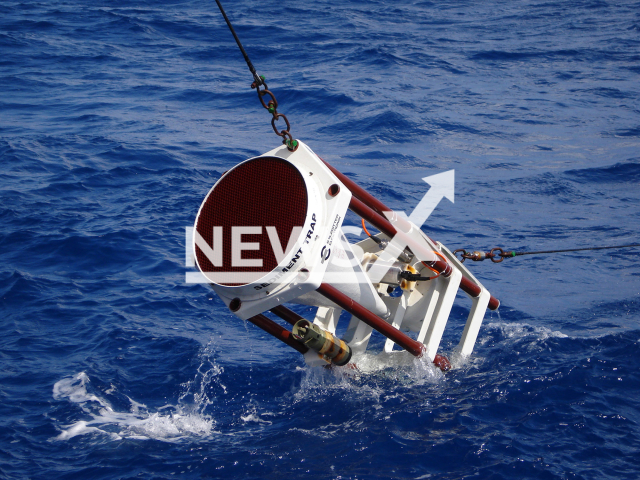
(327, 318)
(358, 335)
(397, 318)
(431, 299)
(474, 321)
(441, 313)
(478, 307)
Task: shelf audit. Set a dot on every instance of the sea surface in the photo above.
(117, 117)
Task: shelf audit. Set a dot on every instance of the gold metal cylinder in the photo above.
(322, 341)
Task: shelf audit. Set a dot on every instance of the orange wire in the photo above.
(433, 269)
(440, 255)
(365, 228)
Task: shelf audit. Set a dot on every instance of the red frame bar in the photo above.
(343, 301)
(277, 331)
(292, 317)
(359, 192)
(286, 314)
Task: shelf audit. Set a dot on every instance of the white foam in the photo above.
(75, 391)
(138, 423)
(524, 330)
(79, 428)
(399, 367)
(252, 417)
(417, 370)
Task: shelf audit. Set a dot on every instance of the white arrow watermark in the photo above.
(442, 186)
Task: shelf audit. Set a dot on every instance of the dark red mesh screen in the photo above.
(267, 191)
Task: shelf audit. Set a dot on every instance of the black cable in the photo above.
(574, 250)
(414, 277)
(256, 77)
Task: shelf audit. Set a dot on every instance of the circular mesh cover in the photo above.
(264, 192)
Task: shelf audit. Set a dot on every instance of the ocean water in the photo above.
(117, 117)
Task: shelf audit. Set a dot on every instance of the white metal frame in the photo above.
(425, 309)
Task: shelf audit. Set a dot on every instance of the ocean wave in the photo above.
(389, 127)
(627, 172)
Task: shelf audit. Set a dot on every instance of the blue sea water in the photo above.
(117, 117)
